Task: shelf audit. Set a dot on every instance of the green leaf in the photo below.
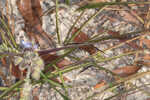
(102, 4)
(62, 95)
(67, 2)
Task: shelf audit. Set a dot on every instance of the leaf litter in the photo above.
(99, 75)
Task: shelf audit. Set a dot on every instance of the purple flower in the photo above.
(28, 45)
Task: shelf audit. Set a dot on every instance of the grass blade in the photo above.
(65, 41)
(11, 88)
(85, 23)
(57, 27)
(102, 4)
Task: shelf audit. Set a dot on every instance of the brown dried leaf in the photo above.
(147, 64)
(16, 71)
(146, 57)
(96, 1)
(48, 58)
(126, 71)
(99, 85)
(63, 63)
(128, 17)
(146, 42)
(35, 98)
(84, 2)
(31, 12)
(81, 38)
(117, 35)
(113, 33)
(148, 99)
(3, 60)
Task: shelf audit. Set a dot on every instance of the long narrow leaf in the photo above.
(102, 4)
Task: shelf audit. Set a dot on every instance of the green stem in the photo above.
(102, 4)
(115, 57)
(57, 27)
(11, 88)
(84, 24)
(61, 57)
(65, 42)
(50, 81)
(8, 32)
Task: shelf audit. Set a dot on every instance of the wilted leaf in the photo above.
(148, 99)
(81, 38)
(146, 57)
(99, 85)
(63, 63)
(27, 12)
(146, 42)
(126, 71)
(16, 71)
(114, 34)
(3, 60)
(128, 17)
(147, 64)
(31, 11)
(97, 1)
(117, 35)
(48, 58)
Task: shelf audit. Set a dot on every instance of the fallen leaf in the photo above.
(3, 60)
(16, 71)
(48, 58)
(146, 57)
(128, 17)
(99, 85)
(31, 11)
(96, 1)
(81, 38)
(146, 42)
(148, 99)
(35, 98)
(84, 2)
(63, 63)
(126, 71)
(146, 64)
(117, 35)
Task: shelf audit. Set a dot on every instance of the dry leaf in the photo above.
(113, 33)
(147, 64)
(31, 11)
(95, 1)
(117, 35)
(146, 57)
(126, 71)
(148, 99)
(84, 2)
(81, 38)
(3, 60)
(146, 42)
(144, 63)
(128, 17)
(63, 63)
(99, 85)
(48, 58)
(27, 12)
(16, 71)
